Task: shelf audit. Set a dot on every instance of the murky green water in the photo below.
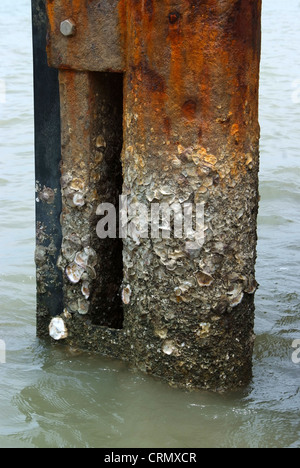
(52, 399)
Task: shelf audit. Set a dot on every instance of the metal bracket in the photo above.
(85, 35)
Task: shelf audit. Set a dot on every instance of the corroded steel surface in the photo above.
(190, 134)
(96, 43)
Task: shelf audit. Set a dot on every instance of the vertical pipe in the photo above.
(191, 135)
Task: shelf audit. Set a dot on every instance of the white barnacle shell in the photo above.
(169, 264)
(57, 329)
(81, 259)
(176, 254)
(236, 295)
(66, 179)
(74, 272)
(78, 199)
(160, 252)
(237, 300)
(86, 258)
(183, 288)
(150, 195)
(126, 295)
(166, 190)
(86, 290)
(168, 347)
(92, 261)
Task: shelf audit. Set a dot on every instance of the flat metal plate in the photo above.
(47, 170)
(97, 43)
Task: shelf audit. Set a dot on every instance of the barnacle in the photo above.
(57, 329)
(204, 279)
(85, 289)
(74, 272)
(126, 295)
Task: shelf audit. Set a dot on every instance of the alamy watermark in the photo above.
(2, 352)
(296, 353)
(2, 91)
(153, 221)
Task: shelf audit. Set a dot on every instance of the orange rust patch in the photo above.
(51, 14)
(192, 72)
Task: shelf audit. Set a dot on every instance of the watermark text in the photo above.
(155, 221)
(2, 352)
(296, 353)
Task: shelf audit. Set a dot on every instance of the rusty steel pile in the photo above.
(156, 103)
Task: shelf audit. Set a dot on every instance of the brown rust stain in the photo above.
(192, 73)
(97, 44)
(152, 80)
(189, 109)
(122, 14)
(149, 8)
(147, 85)
(75, 116)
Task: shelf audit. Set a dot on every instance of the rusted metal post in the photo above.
(196, 66)
(185, 76)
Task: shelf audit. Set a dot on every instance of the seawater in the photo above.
(53, 398)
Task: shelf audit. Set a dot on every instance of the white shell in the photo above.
(74, 272)
(57, 329)
(87, 257)
(126, 295)
(237, 300)
(166, 190)
(78, 199)
(236, 295)
(86, 289)
(168, 348)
